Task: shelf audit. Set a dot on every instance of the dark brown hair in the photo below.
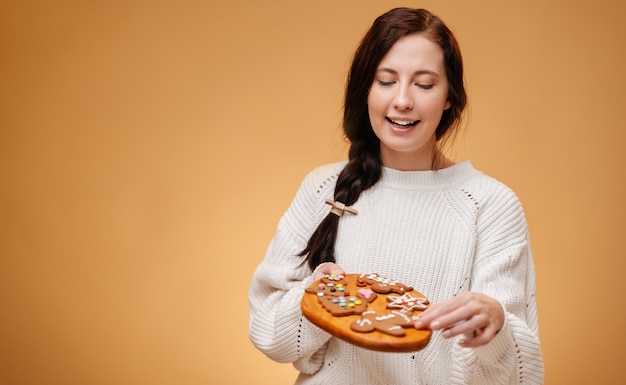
(364, 167)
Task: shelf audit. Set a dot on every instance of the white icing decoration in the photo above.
(364, 321)
(380, 279)
(407, 302)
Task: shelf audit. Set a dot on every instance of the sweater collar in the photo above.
(411, 180)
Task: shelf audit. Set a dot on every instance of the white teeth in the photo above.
(402, 122)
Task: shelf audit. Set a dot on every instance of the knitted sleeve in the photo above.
(276, 324)
(503, 269)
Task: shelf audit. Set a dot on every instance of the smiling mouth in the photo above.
(403, 123)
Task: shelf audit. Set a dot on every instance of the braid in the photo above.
(362, 172)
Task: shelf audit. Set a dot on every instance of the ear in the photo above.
(448, 105)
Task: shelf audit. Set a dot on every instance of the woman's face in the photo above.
(406, 101)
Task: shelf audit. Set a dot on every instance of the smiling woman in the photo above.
(455, 233)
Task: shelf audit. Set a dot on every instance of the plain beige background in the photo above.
(148, 149)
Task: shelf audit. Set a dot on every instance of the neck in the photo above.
(435, 160)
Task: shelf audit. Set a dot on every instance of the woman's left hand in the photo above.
(327, 268)
(477, 316)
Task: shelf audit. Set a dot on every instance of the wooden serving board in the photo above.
(341, 326)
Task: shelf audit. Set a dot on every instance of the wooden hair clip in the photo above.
(338, 208)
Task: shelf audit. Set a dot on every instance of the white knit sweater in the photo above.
(441, 232)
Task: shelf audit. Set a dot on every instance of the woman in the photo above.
(450, 231)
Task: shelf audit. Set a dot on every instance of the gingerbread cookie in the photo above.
(334, 279)
(333, 294)
(367, 294)
(406, 303)
(392, 323)
(385, 285)
(368, 310)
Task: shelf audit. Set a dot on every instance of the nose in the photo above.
(403, 99)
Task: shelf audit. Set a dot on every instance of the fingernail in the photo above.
(419, 324)
(435, 325)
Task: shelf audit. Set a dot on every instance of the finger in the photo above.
(479, 337)
(470, 328)
(435, 312)
(328, 268)
(425, 319)
(457, 319)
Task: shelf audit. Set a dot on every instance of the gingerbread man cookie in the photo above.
(392, 323)
(384, 285)
(333, 294)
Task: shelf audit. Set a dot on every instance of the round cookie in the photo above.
(368, 310)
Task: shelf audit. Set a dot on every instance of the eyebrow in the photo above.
(416, 73)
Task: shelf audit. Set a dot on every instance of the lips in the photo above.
(402, 123)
